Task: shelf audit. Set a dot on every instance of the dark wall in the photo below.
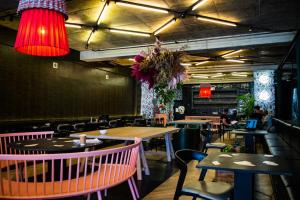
(32, 89)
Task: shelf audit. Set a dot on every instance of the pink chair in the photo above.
(109, 168)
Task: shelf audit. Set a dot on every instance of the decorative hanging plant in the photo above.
(161, 69)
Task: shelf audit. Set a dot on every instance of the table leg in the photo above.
(143, 158)
(249, 144)
(243, 186)
(171, 146)
(168, 147)
(57, 171)
(139, 167)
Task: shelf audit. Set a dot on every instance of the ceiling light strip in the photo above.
(166, 25)
(200, 3)
(73, 25)
(236, 61)
(102, 14)
(218, 75)
(130, 32)
(200, 76)
(140, 6)
(186, 64)
(216, 21)
(201, 63)
(241, 75)
(232, 53)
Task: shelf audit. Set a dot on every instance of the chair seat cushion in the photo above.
(209, 190)
(216, 145)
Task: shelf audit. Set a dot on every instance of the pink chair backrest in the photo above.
(6, 138)
(102, 169)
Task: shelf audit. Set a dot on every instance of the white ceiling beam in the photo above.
(225, 42)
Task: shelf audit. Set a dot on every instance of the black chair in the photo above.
(79, 127)
(207, 144)
(204, 190)
(64, 130)
(139, 122)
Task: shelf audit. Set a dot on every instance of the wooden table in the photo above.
(53, 145)
(145, 133)
(244, 175)
(249, 136)
(200, 122)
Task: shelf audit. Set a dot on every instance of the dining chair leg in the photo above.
(131, 189)
(99, 195)
(105, 192)
(88, 196)
(134, 187)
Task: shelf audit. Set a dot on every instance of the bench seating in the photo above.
(285, 142)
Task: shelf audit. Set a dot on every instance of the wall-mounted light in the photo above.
(264, 79)
(264, 95)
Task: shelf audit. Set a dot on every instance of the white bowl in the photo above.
(103, 132)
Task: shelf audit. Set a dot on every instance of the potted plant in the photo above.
(246, 104)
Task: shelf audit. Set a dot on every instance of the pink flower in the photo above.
(139, 58)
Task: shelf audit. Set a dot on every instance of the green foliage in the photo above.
(228, 148)
(164, 94)
(247, 103)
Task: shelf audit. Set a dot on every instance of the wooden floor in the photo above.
(263, 189)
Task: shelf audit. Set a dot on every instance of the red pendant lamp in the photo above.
(42, 30)
(205, 90)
